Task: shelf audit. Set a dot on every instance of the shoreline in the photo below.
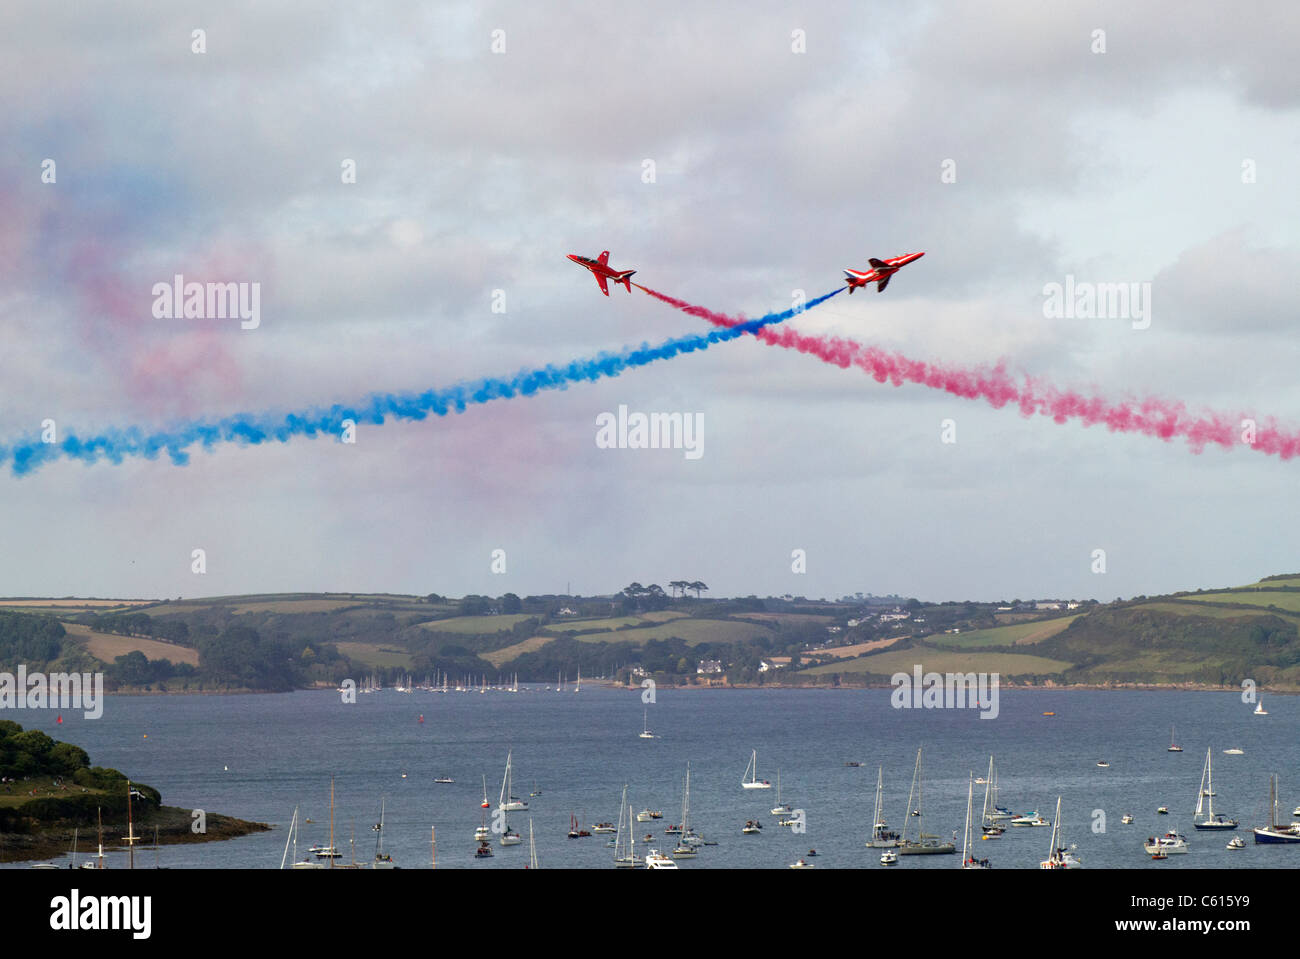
(173, 824)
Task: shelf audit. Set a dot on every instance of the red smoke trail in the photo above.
(1152, 416)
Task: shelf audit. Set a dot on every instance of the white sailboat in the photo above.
(684, 849)
(645, 729)
(1205, 796)
(1059, 857)
(1259, 708)
(753, 782)
(1173, 745)
(881, 835)
(578, 688)
(989, 828)
(508, 803)
(381, 860)
(968, 861)
(781, 808)
(624, 857)
(923, 845)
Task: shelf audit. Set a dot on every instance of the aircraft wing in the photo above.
(600, 278)
(883, 283)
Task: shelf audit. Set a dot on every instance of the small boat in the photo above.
(1049, 714)
(1059, 857)
(1031, 819)
(575, 830)
(1173, 744)
(801, 864)
(1169, 843)
(881, 835)
(484, 850)
(1296, 811)
(1159, 855)
(645, 815)
(444, 779)
(781, 808)
(1127, 820)
(1259, 709)
(482, 833)
(645, 729)
(889, 858)
(1236, 842)
(1234, 752)
(1212, 819)
(1103, 764)
(485, 804)
(812, 852)
(753, 782)
(853, 764)
(657, 860)
(1276, 832)
(1162, 810)
(603, 828)
(752, 827)
(968, 861)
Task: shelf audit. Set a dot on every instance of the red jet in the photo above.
(600, 270)
(880, 272)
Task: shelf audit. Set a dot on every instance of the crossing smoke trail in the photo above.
(1150, 416)
(252, 429)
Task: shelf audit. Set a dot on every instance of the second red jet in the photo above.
(600, 270)
(880, 272)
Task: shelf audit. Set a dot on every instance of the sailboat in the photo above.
(684, 849)
(578, 688)
(624, 857)
(485, 804)
(507, 804)
(559, 682)
(968, 861)
(924, 845)
(1205, 795)
(292, 837)
(881, 835)
(753, 782)
(381, 861)
(645, 729)
(781, 808)
(1276, 832)
(1059, 857)
(1259, 708)
(989, 829)
(1173, 744)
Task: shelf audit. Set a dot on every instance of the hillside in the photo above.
(283, 641)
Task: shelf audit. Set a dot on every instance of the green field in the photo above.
(575, 625)
(1015, 634)
(944, 661)
(476, 625)
(693, 631)
(1188, 608)
(1286, 601)
(369, 654)
(507, 653)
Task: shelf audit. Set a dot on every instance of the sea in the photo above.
(260, 757)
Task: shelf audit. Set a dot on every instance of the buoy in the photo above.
(146, 735)
(59, 720)
(421, 717)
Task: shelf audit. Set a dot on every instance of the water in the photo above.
(579, 750)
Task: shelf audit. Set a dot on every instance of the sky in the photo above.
(737, 157)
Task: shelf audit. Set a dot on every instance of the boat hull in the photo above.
(918, 849)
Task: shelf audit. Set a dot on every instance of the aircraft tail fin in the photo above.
(625, 279)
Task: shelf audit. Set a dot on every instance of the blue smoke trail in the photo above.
(114, 445)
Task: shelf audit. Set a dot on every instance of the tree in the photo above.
(698, 588)
(510, 603)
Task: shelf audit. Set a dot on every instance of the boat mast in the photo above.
(965, 841)
(910, 793)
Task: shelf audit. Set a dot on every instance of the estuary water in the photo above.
(260, 756)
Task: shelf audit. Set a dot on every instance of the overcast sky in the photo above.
(774, 170)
